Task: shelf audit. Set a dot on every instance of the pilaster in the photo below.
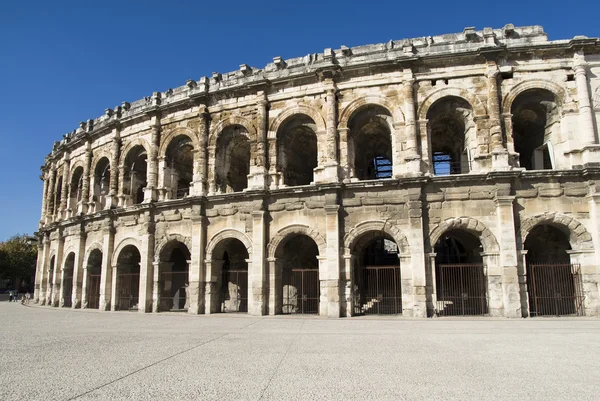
(146, 266)
(108, 277)
(196, 273)
(257, 269)
(329, 277)
(511, 288)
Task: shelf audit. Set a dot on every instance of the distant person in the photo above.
(10, 296)
(27, 296)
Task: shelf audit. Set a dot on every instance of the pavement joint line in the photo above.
(145, 367)
(262, 394)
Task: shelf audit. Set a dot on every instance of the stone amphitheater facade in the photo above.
(418, 177)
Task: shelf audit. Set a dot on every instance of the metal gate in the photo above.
(301, 291)
(555, 290)
(461, 290)
(379, 291)
(234, 291)
(128, 290)
(93, 291)
(173, 292)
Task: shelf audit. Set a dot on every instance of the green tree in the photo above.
(18, 257)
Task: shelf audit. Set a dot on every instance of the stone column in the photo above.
(156, 287)
(524, 293)
(257, 304)
(412, 159)
(259, 173)
(39, 271)
(65, 186)
(44, 178)
(51, 192)
(120, 199)
(586, 129)
(414, 286)
(146, 268)
(58, 270)
(212, 290)
(274, 175)
(431, 288)
(199, 186)
(107, 278)
(85, 187)
(162, 190)
(329, 277)
(150, 193)
(499, 153)
(76, 294)
(196, 273)
(347, 284)
(115, 188)
(84, 285)
(493, 272)
(212, 185)
(425, 145)
(330, 167)
(275, 289)
(508, 256)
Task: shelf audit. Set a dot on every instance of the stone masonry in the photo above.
(486, 139)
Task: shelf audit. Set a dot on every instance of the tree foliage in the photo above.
(18, 258)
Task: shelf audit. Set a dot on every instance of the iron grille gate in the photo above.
(93, 291)
(301, 291)
(555, 289)
(461, 290)
(128, 290)
(234, 291)
(379, 290)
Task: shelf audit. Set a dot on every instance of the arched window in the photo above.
(75, 189)
(134, 180)
(370, 144)
(451, 128)
(297, 150)
(232, 164)
(536, 126)
(179, 167)
(101, 182)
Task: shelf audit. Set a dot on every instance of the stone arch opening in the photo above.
(76, 190)
(179, 166)
(101, 186)
(297, 150)
(370, 143)
(376, 276)
(94, 276)
(554, 285)
(67, 281)
(297, 258)
(229, 269)
(232, 159)
(460, 282)
(128, 278)
(536, 128)
(173, 278)
(451, 129)
(134, 175)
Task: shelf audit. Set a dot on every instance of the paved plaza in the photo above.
(58, 354)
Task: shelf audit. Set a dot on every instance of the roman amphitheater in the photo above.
(445, 175)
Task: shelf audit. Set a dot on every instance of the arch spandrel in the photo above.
(560, 94)
(290, 112)
(295, 229)
(471, 225)
(219, 127)
(89, 250)
(477, 105)
(169, 136)
(130, 145)
(167, 240)
(370, 100)
(127, 241)
(579, 237)
(225, 234)
(366, 227)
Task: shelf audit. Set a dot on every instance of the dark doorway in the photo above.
(94, 271)
(128, 278)
(377, 279)
(459, 275)
(300, 276)
(554, 284)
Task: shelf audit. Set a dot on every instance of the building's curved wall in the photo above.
(511, 116)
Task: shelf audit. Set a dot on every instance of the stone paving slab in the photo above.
(58, 354)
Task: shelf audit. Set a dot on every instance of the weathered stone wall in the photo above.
(514, 115)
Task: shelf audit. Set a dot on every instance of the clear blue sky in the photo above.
(62, 62)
